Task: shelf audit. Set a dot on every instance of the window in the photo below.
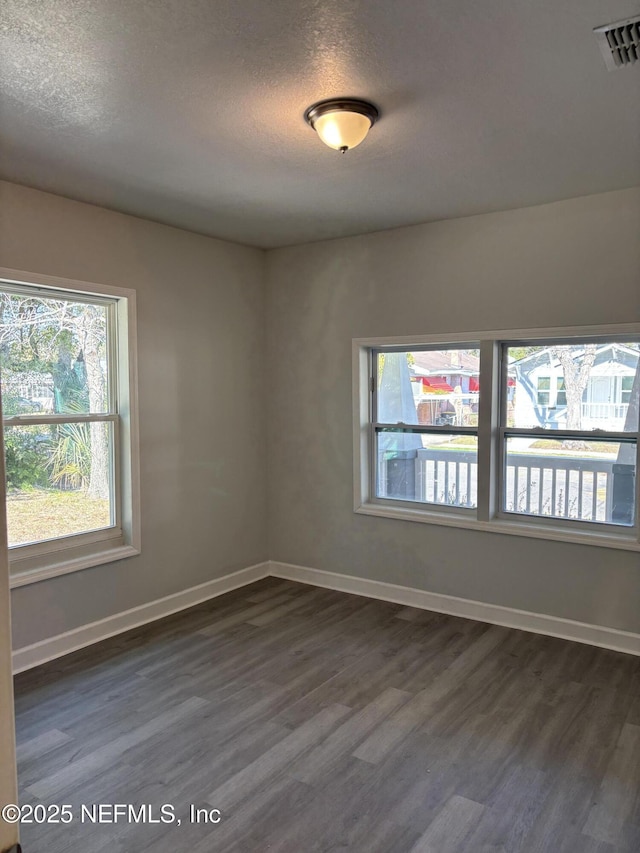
(526, 433)
(67, 355)
(580, 466)
(544, 385)
(426, 430)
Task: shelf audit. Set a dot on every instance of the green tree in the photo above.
(67, 341)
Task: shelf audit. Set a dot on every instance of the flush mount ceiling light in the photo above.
(342, 123)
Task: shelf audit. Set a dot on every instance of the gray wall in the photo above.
(570, 263)
(201, 384)
(202, 375)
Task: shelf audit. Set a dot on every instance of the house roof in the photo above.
(609, 353)
(443, 362)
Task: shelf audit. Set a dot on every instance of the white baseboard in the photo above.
(62, 644)
(538, 623)
(566, 629)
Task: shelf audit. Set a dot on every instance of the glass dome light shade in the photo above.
(342, 129)
(342, 123)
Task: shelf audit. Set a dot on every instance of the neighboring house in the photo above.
(437, 370)
(540, 397)
(33, 386)
(445, 386)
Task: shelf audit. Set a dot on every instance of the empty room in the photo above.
(320, 386)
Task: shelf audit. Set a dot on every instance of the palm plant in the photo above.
(70, 461)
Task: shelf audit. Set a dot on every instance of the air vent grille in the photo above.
(620, 43)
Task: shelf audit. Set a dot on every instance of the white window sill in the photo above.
(65, 563)
(511, 528)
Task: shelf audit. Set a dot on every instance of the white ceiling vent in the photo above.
(620, 43)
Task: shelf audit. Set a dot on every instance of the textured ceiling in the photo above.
(190, 111)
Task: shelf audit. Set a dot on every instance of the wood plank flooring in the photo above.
(319, 721)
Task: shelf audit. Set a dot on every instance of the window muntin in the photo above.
(61, 445)
(425, 434)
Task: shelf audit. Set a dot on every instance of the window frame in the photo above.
(414, 429)
(505, 431)
(491, 457)
(33, 562)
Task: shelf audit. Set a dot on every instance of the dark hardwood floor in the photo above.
(319, 721)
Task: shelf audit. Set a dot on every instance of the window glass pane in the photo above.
(58, 480)
(596, 386)
(561, 394)
(439, 387)
(53, 355)
(436, 469)
(544, 384)
(587, 481)
(627, 390)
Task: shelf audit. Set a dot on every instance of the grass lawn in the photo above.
(35, 514)
(590, 447)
